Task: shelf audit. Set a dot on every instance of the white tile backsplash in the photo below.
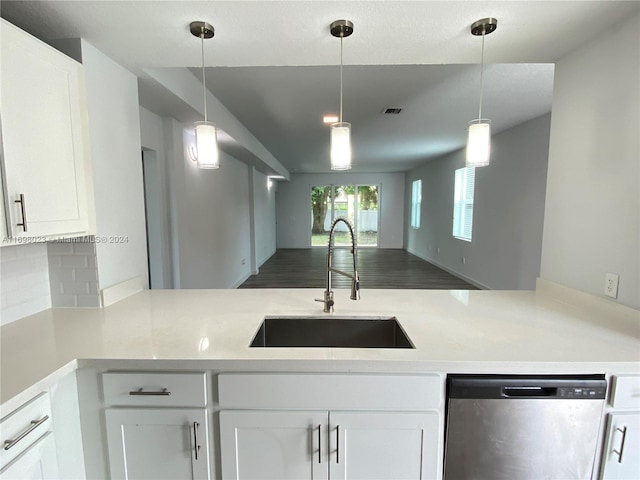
(24, 281)
(34, 277)
(74, 261)
(73, 273)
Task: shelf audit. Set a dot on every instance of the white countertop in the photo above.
(453, 331)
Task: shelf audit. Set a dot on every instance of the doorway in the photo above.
(357, 203)
(153, 217)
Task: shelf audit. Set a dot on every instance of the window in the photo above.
(416, 199)
(463, 203)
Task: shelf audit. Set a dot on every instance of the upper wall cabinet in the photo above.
(45, 148)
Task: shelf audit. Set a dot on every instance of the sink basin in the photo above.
(338, 332)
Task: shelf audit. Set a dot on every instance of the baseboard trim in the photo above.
(571, 296)
(122, 290)
(243, 279)
(450, 270)
(262, 262)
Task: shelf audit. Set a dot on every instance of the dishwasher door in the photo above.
(522, 427)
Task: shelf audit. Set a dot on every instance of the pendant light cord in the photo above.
(204, 81)
(481, 76)
(341, 39)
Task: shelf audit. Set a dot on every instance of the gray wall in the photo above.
(592, 219)
(294, 206)
(508, 211)
(264, 207)
(220, 223)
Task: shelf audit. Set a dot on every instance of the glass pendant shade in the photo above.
(479, 143)
(207, 145)
(341, 146)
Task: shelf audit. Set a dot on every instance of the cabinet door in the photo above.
(269, 445)
(158, 443)
(38, 462)
(384, 445)
(43, 136)
(621, 458)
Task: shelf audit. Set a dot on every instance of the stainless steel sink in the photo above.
(338, 332)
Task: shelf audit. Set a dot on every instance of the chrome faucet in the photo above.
(355, 281)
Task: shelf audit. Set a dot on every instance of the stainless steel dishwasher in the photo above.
(522, 427)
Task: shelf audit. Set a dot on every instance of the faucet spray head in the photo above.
(355, 288)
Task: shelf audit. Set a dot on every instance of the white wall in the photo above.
(114, 126)
(294, 206)
(592, 218)
(507, 216)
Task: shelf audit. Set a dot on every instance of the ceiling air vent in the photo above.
(392, 111)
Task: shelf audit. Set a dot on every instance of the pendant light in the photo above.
(341, 131)
(479, 139)
(207, 155)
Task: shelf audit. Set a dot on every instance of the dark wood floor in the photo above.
(377, 267)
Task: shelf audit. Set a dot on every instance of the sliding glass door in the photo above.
(357, 203)
(367, 215)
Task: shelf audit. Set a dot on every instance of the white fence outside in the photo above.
(367, 221)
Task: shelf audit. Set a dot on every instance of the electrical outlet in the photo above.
(611, 285)
(438, 251)
(464, 260)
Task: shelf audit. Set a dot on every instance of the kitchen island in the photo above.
(551, 330)
(195, 344)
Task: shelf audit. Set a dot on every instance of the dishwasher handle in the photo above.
(524, 392)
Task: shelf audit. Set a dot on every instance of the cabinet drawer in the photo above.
(24, 426)
(155, 389)
(625, 392)
(330, 391)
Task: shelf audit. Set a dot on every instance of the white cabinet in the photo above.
(158, 443)
(28, 446)
(154, 437)
(321, 445)
(383, 445)
(337, 426)
(37, 462)
(44, 138)
(270, 445)
(622, 452)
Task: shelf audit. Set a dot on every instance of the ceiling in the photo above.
(273, 64)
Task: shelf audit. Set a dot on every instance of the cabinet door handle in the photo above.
(34, 424)
(140, 391)
(319, 443)
(23, 211)
(338, 444)
(196, 447)
(622, 430)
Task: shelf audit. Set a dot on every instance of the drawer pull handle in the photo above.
(622, 430)
(196, 447)
(338, 444)
(319, 443)
(140, 391)
(23, 212)
(34, 424)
